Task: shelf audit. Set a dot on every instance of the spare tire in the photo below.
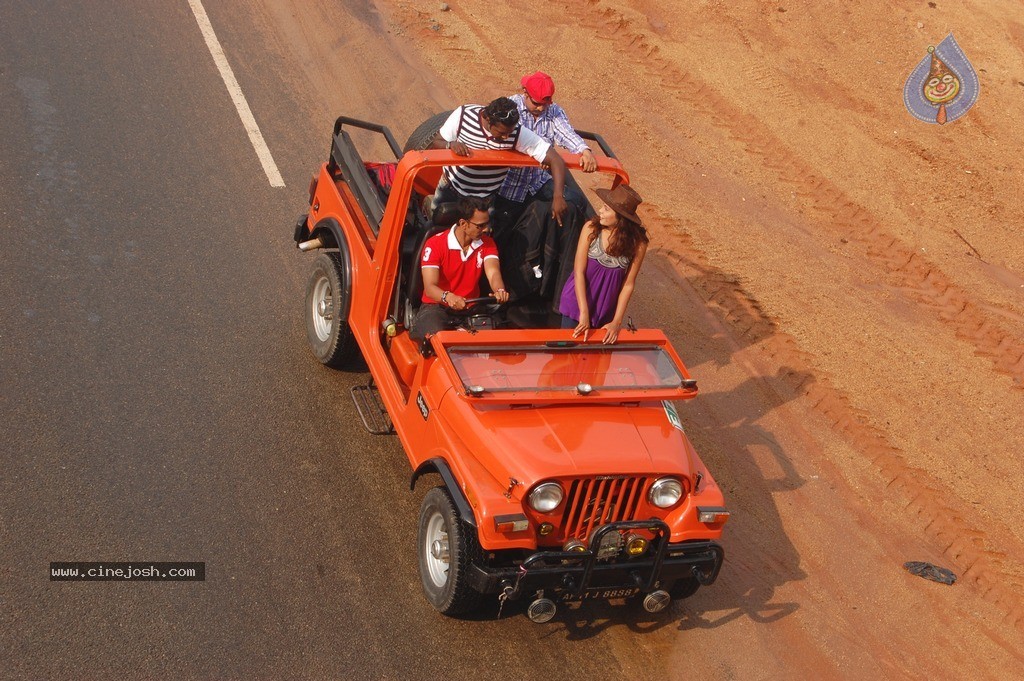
(423, 135)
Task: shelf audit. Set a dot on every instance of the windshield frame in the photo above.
(551, 343)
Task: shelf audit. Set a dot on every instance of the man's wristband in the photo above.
(444, 297)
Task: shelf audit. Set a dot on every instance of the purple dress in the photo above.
(605, 277)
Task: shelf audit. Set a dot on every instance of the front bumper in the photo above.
(577, 575)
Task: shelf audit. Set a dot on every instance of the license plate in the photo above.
(601, 594)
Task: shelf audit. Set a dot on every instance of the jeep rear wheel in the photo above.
(446, 550)
(326, 312)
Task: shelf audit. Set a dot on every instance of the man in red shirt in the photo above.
(452, 263)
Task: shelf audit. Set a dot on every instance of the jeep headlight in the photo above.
(545, 498)
(665, 492)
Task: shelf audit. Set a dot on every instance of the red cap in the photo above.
(539, 86)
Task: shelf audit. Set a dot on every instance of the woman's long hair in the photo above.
(625, 239)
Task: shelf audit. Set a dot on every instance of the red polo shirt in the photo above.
(459, 271)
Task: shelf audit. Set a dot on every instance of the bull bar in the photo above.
(575, 573)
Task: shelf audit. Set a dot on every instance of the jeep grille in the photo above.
(596, 501)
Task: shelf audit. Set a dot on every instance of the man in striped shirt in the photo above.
(496, 126)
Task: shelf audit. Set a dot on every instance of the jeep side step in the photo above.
(372, 411)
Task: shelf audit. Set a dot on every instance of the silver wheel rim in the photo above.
(323, 309)
(436, 550)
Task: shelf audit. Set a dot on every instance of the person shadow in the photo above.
(753, 470)
(711, 320)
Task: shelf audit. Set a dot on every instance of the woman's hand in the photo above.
(612, 329)
(583, 327)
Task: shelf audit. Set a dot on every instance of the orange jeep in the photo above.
(565, 472)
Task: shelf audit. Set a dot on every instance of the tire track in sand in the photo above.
(916, 277)
(952, 529)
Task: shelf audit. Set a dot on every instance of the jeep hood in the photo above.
(530, 444)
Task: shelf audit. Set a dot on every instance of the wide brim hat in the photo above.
(623, 200)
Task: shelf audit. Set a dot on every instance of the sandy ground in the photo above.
(846, 282)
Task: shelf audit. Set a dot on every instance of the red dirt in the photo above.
(846, 282)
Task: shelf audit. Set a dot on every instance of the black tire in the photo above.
(445, 582)
(683, 588)
(422, 136)
(326, 312)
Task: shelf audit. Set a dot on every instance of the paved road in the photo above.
(158, 401)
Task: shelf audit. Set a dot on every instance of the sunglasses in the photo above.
(505, 116)
(482, 225)
(536, 103)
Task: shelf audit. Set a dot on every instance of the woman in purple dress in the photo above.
(608, 257)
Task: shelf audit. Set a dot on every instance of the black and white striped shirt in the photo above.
(464, 125)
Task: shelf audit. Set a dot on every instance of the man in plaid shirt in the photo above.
(538, 113)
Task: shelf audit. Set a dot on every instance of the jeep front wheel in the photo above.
(446, 549)
(326, 312)
(683, 588)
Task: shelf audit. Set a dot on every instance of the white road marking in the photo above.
(244, 112)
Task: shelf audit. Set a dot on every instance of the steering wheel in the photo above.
(482, 306)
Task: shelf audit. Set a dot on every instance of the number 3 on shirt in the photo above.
(426, 254)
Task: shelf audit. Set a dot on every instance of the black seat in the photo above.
(445, 216)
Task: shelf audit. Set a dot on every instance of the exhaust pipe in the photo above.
(541, 610)
(656, 601)
(311, 245)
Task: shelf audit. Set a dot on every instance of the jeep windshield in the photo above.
(563, 365)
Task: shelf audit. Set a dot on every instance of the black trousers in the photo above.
(430, 318)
